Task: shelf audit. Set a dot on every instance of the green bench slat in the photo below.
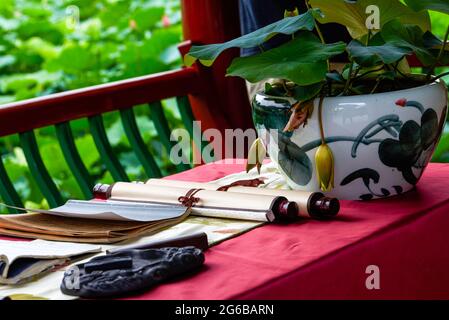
(188, 118)
(186, 113)
(73, 159)
(38, 169)
(7, 192)
(160, 122)
(111, 161)
(138, 145)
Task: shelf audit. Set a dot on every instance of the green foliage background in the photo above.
(45, 48)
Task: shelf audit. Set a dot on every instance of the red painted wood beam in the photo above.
(223, 98)
(70, 105)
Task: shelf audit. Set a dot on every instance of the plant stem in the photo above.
(348, 81)
(368, 37)
(399, 71)
(443, 48)
(318, 30)
(395, 66)
(356, 72)
(284, 85)
(376, 86)
(320, 120)
(440, 76)
(368, 72)
(440, 55)
(320, 34)
(354, 90)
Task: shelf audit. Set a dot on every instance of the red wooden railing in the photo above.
(212, 21)
(82, 103)
(217, 101)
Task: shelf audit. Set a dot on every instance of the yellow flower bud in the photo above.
(293, 13)
(256, 155)
(324, 163)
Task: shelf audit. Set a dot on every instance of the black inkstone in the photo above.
(129, 271)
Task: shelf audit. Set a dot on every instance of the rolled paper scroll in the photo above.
(210, 203)
(311, 204)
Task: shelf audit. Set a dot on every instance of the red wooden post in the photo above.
(224, 101)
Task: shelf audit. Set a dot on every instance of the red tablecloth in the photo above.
(407, 237)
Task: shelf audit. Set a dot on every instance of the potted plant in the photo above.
(366, 131)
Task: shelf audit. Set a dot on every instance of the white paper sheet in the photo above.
(116, 210)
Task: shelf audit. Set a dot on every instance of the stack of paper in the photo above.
(93, 222)
(20, 260)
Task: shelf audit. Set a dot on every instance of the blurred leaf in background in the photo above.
(440, 23)
(50, 46)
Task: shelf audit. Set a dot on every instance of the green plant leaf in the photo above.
(271, 90)
(40, 28)
(410, 37)
(45, 49)
(375, 55)
(389, 75)
(435, 5)
(304, 93)
(432, 41)
(113, 13)
(434, 44)
(7, 99)
(8, 24)
(442, 150)
(294, 161)
(302, 61)
(6, 61)
(73, 59)
(335, 76)
(7, 8)
(353, 15)
(290, 25)
(160, 40)
(36, 11)
(146, 18)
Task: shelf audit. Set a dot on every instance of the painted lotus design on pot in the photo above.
(415, 145)
(381, 143)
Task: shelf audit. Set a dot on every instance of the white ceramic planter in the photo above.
(381, 142)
